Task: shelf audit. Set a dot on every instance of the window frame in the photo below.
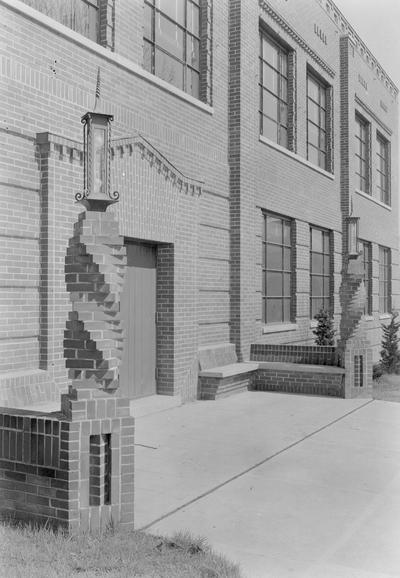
(385, 279)
(326, 297)
(266, 296)
(155, 47)
(364, 127)
(322, 128)
(367, 274)
(283, 53)
(384, 192)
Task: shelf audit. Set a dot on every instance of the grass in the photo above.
(41, 553)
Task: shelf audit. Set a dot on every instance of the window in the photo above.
(320, 271)
(276, 269)
(367, 266)
(172, 42)
(382, 168)
(384, 280)
(317, 122)
(273, 91)
(362, 154)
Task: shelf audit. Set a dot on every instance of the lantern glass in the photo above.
(99, 158)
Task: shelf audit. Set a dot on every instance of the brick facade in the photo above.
(194, 178)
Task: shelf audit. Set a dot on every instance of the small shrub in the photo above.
(377, 371)
(390, 355)
(324, 332)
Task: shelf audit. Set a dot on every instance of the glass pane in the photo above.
(269, 129)
(322, 118)
(148, 21)
(326, 239)
(270, 78)
(147, 56)
(322, 160)
(317, 263)
(192, 51)
(316, 305)
(316, 240)
(99, 159)
(274, 285)
(326, 265)
(274, 310)
(169, 36)
(283, 136)
(169, 69)
(284, 63)
(317, 286)
(193, 18)
(322, 140)
(313, 155)
(313, 112)
(274, 229)
(286, 310)
(322, 97)
(313, 89)
(313, 135)
(274, 257)
(263, 283)
(270, 105)
(283, 113)
(286, 284)
(175, 9)
(326, 287)
(283, 94)
(286, 233)
(270, 52)
(286, 259)
(193, 82)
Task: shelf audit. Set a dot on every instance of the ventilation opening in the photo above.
(358, 371)
(100, 470)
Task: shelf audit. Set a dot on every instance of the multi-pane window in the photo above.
(362, 154)
(317, 122)
(384, 280)
(367, 267)
(273, 91)
(320, 270)
(382, 168)
(276, 269)
(172, 42)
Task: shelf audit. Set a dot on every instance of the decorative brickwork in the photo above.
(306, 354)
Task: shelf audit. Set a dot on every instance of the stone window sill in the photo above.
(280, 328)
(296, 157)
(371, 198)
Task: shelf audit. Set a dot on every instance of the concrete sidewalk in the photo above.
(285, 485)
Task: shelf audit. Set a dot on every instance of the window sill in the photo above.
(296, 157)
(112, 57)
(371, 198)
(279, 328)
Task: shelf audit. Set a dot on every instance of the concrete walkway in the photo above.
(285, 485)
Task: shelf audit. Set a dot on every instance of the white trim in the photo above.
(385, 316)
(371, 198)
(368, 317)
(112, 57)
(296, 157)
(280, 328)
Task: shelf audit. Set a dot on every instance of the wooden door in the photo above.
(138, 312)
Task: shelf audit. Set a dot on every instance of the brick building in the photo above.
(245, 134)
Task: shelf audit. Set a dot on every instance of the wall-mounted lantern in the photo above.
(96, 194)
(352, 235)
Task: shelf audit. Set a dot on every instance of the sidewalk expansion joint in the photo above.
(251, 468)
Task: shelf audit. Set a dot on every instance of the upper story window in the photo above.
(320, 270)
(367, 266)
(362, 154)
(274, 91)
(382, 168)
(172, 42)
(318, 122)
(384, 280)
(79, 15)
(276, 269)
